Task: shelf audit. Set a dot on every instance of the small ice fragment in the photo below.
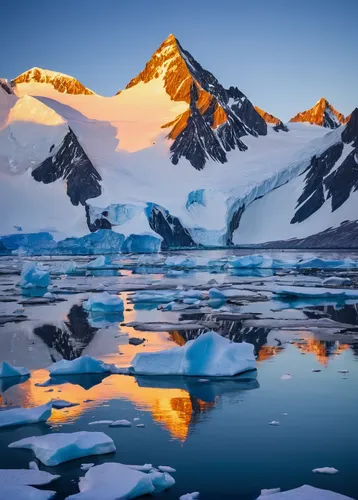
(49, 390)
(101, 422)
(316, 370)
(203, 380)
(325, 470)
(285, 414)
(58, 404)
(86, 466)
(274, 422)
(190, 496)
(166, 468)
(33, 465)
(286, 376)
(343, 371)
(140, 425)
(136, 419)
(121, 423)
(104, 302)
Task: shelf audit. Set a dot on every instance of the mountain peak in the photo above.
(65, 84)
(322, 113)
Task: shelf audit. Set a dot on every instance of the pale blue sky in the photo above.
(284, 54)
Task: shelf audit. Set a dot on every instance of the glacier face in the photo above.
(71, 164)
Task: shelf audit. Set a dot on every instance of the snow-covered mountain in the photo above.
(322, 113)
(60, 82)
(173, 155)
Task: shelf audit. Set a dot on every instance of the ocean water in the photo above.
(215, 434)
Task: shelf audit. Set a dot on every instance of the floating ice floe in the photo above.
(33, 275)
(166, 468)
(58, 404)
(306, 492)
(65, 267)
(23, 416)
(336, 281)
(33, 465)
(270, 491)
(325, 470)
(215, 293)
(84, 364)
(104, 303)
(318, 263)
(100, 422)
(112, 481)
(190, 496)
(86, 466)
(142, 243)
(312, 292)
(121, 423)
(54, 449)
(286, 376)
(180, 261)
(260, 261)
(16, 484)
(156, 296)
(7, 370)
(209, 355)
(274, 423)
(175, 272)
(101, 262)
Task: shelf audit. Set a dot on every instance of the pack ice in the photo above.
(306, 492)
(33, 275)
(114, 481)
(16, 484)
(84, 364)
(54, 449)
(7, 370)
(209, 355)
(22, 416)
(319, 292)
(101, 262)
(104, 302)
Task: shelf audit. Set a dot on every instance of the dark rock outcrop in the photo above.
(323, 114)
(169, 228)
(70, 162)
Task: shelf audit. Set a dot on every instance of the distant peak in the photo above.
(65, 84)
(322, 114)
(267, 116)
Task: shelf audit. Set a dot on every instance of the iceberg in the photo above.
(84, 364)
(305, 492)
(336, 281)
(34, 242)
(104, 303)
(209, 355)
(65, 267)
(23, 416)
(54, 449)
(7, 370)
(316, 292)
(318, 263)
(34, 276)
(325, 470)
(113, 481)
(121, 423)
(142, 243)
(16, 484)
(215, 293)
(156, 296)
(102, 241)
(58, 404)
(261, 261)
(190, 496)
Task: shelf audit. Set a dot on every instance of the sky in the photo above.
(283, 54)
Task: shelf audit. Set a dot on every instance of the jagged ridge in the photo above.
(62, 83)
(323, 114)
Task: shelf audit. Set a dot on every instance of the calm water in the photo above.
(216, 434)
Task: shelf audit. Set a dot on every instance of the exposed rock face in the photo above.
(267, 117)
(60, 82)
(169, 227)
(323, 114)
(70, 162)
(216, 118)
(6, 86)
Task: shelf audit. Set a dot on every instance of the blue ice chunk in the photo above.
(22, 416)
(34, 276)
(7, 370)
(142, 243)
(197, 196)
(104, 303)
(38, 242)
(102, 241)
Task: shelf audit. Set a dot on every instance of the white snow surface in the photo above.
(123, 137)
(23, 416)
(114, 481)
(306, 492)
(54, 449)
(7, 370)
(209, 355)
